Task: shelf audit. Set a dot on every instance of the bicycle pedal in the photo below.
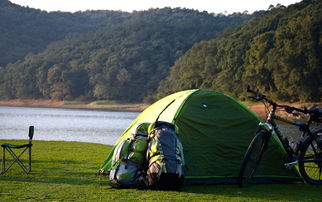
(291, 164)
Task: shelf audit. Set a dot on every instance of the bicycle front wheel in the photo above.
(252, 157)
(310, 160)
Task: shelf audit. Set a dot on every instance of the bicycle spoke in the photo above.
(311, 166)
(310, 161)
(309, 156)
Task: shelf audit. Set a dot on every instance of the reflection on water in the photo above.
(64, 124)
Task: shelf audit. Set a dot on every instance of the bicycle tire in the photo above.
(310, 159)
(252, 157)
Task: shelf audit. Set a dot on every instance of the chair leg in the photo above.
(3, 161)
(16, 160)
(29, 160)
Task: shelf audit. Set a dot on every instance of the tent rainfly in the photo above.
(215, 131)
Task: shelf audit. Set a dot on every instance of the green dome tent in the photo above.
(215, 131)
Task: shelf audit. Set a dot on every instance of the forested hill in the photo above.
(124, 61)
(24, 30)
(279, 52)
(124, 56)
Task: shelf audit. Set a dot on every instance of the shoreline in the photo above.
(257, 108)
(95, 105)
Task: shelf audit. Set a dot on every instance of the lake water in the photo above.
(78, 125)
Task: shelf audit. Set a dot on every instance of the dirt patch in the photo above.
(72, 105)
(32, 103)
(258, 109)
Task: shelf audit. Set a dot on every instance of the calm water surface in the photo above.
(64, 124)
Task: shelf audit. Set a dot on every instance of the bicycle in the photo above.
(307, 153)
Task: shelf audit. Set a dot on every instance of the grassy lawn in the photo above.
(66, 171)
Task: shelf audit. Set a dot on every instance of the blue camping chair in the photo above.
(10, 148)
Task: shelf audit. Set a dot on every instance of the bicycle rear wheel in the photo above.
(310, 160)
(252, 157)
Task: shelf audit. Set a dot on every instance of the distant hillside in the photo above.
(124, 61)
(279, 52)
(24, 30)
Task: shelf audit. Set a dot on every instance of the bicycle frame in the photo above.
(270, 126)
(289, 150)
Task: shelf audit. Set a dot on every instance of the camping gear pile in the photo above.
(215, 131)
(151, 157)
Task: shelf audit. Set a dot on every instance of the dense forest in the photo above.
(148, 54)
(124, 61)
(25, 30)
(279, 52)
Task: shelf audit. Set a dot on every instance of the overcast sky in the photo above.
(212, 6)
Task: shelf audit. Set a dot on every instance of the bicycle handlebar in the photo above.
(289, 109)
(259, 96)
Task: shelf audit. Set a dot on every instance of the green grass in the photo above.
(66, 171)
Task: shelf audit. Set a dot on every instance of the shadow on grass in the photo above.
(53, 180)
(49, 161)
(292, 191)
(72, 178)
(54, 172)
(60, 161)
